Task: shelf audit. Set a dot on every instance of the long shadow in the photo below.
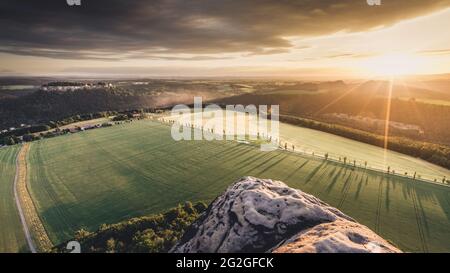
(345, 189)
(378, 211)
(251, 158)
(313, 172)
(419, 224)
(262, 156)
(388, 188)
(237, 163)
(424, 216)
(260, 164)
(359, 187)
(321, 178)
(273, 164)
(332, 172)
(296, 170)
(226, 176)
(234, 151)
(334, 180)
(234, 155)
(431, 196)
(346, 183)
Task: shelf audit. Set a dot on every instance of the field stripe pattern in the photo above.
(111, 174)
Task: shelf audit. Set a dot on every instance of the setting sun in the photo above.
(395, 64)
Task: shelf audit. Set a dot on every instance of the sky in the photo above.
(254, 38)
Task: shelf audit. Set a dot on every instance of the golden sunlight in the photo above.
(395, 64)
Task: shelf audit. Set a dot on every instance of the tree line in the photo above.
(432, 119)
(434, 153)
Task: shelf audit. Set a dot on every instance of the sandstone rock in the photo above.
(260, 215)
(336, 237)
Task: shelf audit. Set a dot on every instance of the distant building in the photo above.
(71, 86)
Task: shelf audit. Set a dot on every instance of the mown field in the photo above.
(107, 175)
(308, 141)
(12, 238)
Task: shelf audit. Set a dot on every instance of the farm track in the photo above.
(29, 217)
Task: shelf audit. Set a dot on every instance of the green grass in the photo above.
(309, 140)
(376, 157)
(12, 238)
(107, 175)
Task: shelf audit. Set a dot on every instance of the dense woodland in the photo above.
(148, 234)
(42, 107)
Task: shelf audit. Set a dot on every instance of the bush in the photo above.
(121, 117)
(148, 234)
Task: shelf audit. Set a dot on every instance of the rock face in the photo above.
(336, 237)
(261, 215)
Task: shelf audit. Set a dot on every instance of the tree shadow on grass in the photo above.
(359, 186)
(387, 197)
(334, 180)
(296, 170)
(263, 155)
(309, 177)
(273, 164)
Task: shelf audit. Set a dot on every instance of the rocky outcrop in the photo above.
(261, 215)
(336, 237)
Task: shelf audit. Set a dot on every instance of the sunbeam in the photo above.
(387, 119)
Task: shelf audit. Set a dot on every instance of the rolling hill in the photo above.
(108, 175)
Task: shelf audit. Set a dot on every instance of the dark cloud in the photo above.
(99, 29)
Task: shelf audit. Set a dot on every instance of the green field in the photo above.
(308, 141)
(12, 238)
(107, 175)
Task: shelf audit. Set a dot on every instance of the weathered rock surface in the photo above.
(261, 215)
(336, 237)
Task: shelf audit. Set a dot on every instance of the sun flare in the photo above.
(395, 64)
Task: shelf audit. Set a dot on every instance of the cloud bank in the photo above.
(100, 29)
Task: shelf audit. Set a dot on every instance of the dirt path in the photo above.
(28, 215)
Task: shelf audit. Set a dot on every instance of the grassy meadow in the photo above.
(12, 238)
(107, 175)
